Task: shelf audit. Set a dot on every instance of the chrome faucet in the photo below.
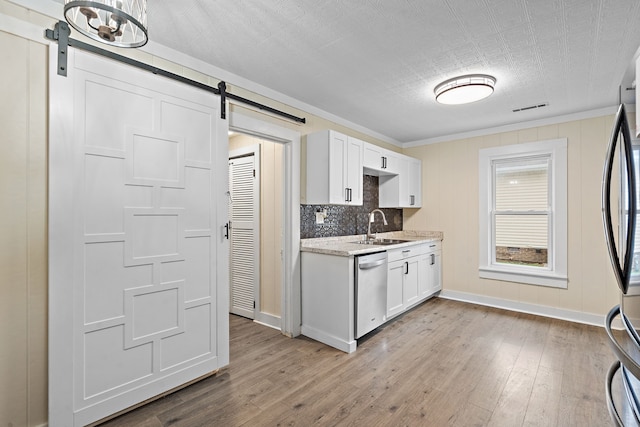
(371, 219)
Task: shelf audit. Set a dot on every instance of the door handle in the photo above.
(413, 200)
(406, 267)
(226, 231)
(348, 194)
(372, 264)
(621, 268)
(433, 259)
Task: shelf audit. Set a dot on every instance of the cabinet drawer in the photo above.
(407, 252)
(434, 246)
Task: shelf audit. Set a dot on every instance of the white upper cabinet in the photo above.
(334, 169)
(403, 190)
(379, 161)
(336, 163)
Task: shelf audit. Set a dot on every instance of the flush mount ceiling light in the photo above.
(465, 89)
(118, 23)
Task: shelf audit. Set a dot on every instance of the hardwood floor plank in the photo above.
(512, 405)
(544, 402)
(444, 363)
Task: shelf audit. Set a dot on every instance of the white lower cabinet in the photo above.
(328, 290)
(414, 274)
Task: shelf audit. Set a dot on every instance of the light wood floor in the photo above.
(443, 363)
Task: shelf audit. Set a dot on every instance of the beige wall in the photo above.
(450, 200)
(23, 233)
(271, 203)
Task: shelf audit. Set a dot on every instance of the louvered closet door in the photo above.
(243, 213)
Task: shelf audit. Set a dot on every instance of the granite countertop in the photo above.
(346, 246)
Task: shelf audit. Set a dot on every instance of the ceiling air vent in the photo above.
(531, 107)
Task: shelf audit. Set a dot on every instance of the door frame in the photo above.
(291, 303)
(252, 150)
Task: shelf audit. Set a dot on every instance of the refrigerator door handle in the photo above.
(621, 268)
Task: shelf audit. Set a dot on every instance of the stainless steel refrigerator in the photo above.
(620, 200)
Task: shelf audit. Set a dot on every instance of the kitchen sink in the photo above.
(382, 242)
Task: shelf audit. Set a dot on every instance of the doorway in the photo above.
(256, 187)
(289, 141)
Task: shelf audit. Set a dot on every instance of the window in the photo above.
(523, 213)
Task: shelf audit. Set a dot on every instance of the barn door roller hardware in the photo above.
(61, 33)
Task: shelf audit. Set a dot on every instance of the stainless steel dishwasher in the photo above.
(370, 292)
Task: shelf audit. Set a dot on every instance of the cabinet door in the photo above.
(410, 281)
(373, 157)
(436, 271)
(392, 162)
(415, 183)
(353, 171)
(338, 145)
(403, 182)
(432, 281)
(424, 276)
(395, 274)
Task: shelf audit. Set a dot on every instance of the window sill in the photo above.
(550, 279)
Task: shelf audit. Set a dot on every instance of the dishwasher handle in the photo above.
(372, 264)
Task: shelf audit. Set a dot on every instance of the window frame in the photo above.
(555, 273)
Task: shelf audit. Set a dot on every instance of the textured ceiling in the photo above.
(375, 63)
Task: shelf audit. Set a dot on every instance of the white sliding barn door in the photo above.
(245, 246)
(138, 305)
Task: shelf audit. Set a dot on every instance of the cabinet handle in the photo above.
(226, 231)
(406, 267)
(346, 194)
(350, 194)
(385, 162)
(413, 200)
(433, 259)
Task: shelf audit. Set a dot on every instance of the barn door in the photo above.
(137, 176)
(245, 249)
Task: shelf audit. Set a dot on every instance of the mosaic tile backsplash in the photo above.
(349, 220)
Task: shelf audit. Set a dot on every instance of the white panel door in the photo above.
(137, 174)
(245, 249)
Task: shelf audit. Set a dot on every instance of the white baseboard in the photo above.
(268, 320)
(330, 340)
(540, 310)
